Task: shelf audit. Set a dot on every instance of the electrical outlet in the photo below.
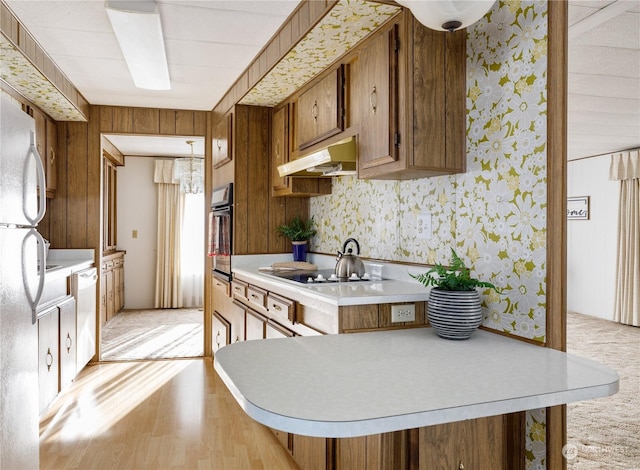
(423, 226)
(403, 313)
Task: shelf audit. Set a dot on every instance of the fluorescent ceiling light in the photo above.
(139, 33)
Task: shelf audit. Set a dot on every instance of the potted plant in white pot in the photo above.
(299, 232)
(454, 307)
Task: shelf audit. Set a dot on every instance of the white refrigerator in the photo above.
(22, 257)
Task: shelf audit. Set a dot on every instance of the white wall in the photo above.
(591, 251)
(137, 210)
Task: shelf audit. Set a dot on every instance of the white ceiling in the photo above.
(210, 42)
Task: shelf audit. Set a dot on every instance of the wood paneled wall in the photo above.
(257, 214)
(75, 213)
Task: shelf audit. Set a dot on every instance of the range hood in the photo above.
(335, 160)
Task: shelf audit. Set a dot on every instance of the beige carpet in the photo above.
(606, 432)
(153, 334)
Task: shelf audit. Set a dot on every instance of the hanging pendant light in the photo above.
(447, 15)
(190, 172)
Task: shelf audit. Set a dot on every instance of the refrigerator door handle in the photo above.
(34, 301)
(42, 183)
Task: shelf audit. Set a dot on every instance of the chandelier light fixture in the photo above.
(190, 172)
(447, 15)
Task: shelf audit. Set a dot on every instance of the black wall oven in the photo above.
(221, 230)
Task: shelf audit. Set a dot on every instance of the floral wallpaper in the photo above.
(29, 82)
(494, 215)
(345, 25)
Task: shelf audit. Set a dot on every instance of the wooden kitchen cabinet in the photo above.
(46, 145)
(230, 315)
(471, 444)
(221, 331)
(48, 356)
(256, 325)
(310, 453)
(410, 102)
(376, 98)
(67, 341)
(111, 285)
(222, 141)
(280, 152)
(320, 110)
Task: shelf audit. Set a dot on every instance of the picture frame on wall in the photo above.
(578, 208)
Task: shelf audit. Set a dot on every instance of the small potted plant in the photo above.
(299, 232)
(454, 307)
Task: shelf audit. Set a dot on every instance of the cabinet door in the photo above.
(51, 149)
(310, 453)
(103, 295)
(222, 141)
(471, 444)
(279, 148)
(110, 311)
(48, 357)
(256, 324)
(377, 100)
(68, 341)
(118, 285)
(320, 111)
(220, 330)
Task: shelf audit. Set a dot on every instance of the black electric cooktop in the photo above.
(316, 277)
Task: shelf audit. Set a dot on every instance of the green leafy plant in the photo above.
(455, 277)
(298, 230)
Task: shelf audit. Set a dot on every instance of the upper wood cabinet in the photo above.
(376, 88)
(280, 152)
(46, 144)
(409, 95)
(320, 110)
(222, 141)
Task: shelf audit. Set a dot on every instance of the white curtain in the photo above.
(170, 213)
(192, 251)
(625, 167)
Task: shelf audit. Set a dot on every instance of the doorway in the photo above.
(140, 330)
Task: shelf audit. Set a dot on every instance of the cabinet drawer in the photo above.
(221, 286)
(118, 262)
(281, 307)
(273, 330)
(107, 266)
(239, 289)
(257, 296)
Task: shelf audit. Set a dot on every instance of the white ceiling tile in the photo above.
(611, 86)
(621, 31)
(604, 61)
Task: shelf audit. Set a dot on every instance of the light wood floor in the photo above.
(171, 414)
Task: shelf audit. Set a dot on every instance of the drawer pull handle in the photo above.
(68, 343)
(254, 297)
(314, 111)
(53, 156)
(237, 339)
(49, 359)
(461, 466)
(373, 99)
(277, 307)
(218, 339)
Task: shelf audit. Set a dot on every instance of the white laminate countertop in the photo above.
(390, 290)
(67, 262)
(369, 383)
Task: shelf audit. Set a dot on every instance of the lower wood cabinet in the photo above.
(221, 331)
(67, 341)
(310, 453)
(48, 356)
(472, 444)
(111, 285)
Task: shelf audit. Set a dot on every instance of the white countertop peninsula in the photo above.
(397, 285)
(369, 383)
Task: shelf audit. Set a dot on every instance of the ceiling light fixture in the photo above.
(447, 15)
(137, 27)
(190, 172)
